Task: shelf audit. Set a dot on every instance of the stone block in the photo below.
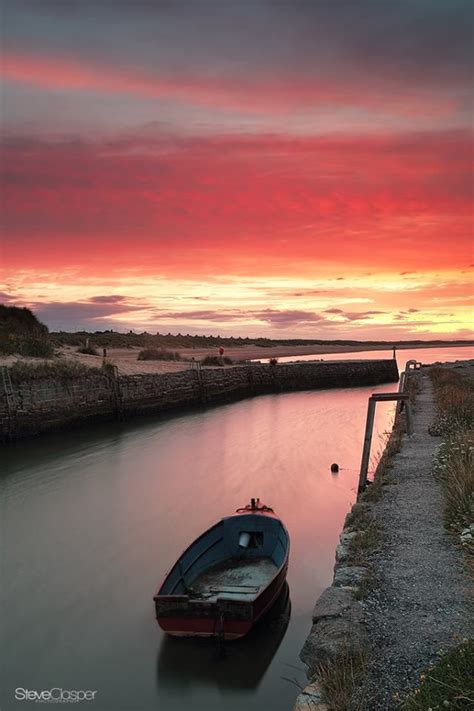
(350, 576)
(346, 538)
(337, 602)
(342, 553)
(332, 638)
(310, 699)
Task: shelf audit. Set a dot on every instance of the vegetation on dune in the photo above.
(61, 370)
(21, 333)
(113, 339)
(158, 354)
(88, 350)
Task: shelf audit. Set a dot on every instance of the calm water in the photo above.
(91, 521)
(423, 355)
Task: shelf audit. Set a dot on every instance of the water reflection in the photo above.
(239, 664)
(93, 519)
(441, 354)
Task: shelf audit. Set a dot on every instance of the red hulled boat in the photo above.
(228, 578)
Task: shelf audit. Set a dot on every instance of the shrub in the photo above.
(158, 354)
(35, 347)
(88, 350)
(273, 361)
(217, 360)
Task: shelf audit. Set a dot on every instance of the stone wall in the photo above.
(40, 405)
(338, 635)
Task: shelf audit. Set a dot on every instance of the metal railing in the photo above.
(402, 398)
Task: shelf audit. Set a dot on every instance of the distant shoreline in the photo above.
(128, 364)
(251, 352)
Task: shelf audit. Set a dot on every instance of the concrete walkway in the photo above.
(420, 602)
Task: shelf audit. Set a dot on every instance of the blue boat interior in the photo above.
(234, 559)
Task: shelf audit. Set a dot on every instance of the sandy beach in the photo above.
(126, 359)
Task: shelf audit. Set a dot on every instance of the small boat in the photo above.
(228, 578)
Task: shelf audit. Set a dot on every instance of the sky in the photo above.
(277, 168)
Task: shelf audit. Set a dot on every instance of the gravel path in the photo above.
(421, 600)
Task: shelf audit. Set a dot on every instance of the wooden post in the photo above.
(369, 425)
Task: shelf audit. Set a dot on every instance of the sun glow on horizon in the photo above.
(358, 306)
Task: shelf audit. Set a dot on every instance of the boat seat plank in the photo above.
(246, 589)
(235, 579)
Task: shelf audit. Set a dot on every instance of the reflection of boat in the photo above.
(186, 663)
(228, 578)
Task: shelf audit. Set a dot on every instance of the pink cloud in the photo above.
(254, 92)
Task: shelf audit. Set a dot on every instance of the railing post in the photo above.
(409, 417)
(364, 466)
(401, 383)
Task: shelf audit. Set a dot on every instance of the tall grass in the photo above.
(454, 395)
(447, 685)
(61, 370)
(454, 461)
(339, 678)
(454, 467)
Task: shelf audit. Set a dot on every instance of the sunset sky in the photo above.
(283, 168)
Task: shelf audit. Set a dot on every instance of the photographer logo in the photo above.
(55, 695)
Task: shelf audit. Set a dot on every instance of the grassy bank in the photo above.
(449, 684)
(454, 463)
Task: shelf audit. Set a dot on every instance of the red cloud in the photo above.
(233, 201)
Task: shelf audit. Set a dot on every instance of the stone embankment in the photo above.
(408, 598)
(338, 631)
(35, 406)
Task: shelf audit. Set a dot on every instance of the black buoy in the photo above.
(334, 468)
